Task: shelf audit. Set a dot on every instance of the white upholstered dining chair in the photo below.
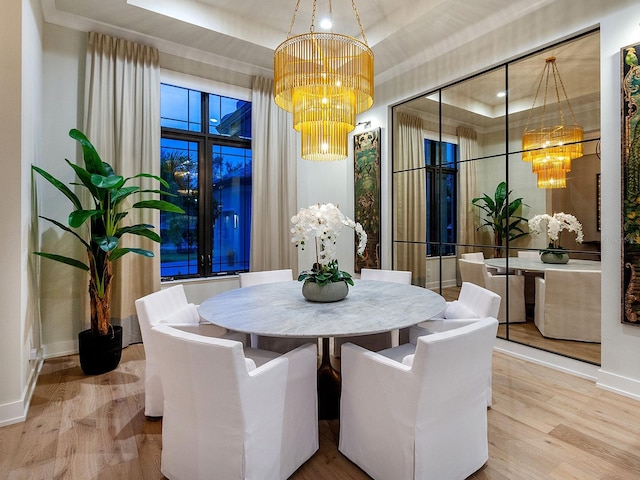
(276, 344)
(232, 412)
(424, 416)
(568, 304)
(169, 306)
(376, 341)
(476, 272)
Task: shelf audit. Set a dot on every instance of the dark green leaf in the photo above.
(66, 260)
(60, 186)
(66, 229)
(119, 252)
(105, 243)
(109, 183)
(92, 161)
(77, 218)
(159, 205)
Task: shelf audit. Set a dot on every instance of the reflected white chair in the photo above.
(476, 272)
(424, 417)
(474, 256)
(276, 344)
(473, 301)
(234, 413)
(169, 306)
(377, 341)
(568, 305)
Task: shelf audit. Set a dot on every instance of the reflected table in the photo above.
(537, 265)
(532, 267)
(280, 310)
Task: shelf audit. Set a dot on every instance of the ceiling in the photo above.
(242, 35)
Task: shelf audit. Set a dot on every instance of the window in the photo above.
(205, 156)
(440, 162)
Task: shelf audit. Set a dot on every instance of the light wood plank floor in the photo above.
(544, 424)
(528, 334)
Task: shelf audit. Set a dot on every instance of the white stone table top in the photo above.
(537, 265)
(279, 309)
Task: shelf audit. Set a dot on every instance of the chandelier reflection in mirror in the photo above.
(551, 147)
(325, 80)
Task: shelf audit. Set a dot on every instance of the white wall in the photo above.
(20, 124)
(620, 343)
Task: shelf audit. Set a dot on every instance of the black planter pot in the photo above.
(100, 353)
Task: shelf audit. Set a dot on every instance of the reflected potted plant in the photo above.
(501, 217)
(556, 223)
(99, 227)
(324, 282)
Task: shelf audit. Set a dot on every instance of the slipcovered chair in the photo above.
(479, 257)
(276, 344)
(568, 304)
(476, 272)
(425, 417)
(473, 301)
(474, 256)
(232, 412)
(377, 341)
(169, 306)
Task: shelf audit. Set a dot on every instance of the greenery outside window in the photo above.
(206, 157)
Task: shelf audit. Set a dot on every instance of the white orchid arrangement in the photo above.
(556, 223)
(323, 223)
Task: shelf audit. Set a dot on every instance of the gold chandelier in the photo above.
(550, 149)
(325, 80)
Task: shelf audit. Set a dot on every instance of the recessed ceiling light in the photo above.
(213, 120)
(326, 23)
(501, 94)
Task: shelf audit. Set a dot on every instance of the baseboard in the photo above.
(612, 382)
(548, 359)
(16, 412)
(59, 349)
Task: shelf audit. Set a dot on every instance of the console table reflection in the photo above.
(280, 310)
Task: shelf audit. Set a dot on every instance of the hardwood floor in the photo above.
(528, 334)
(544, 424)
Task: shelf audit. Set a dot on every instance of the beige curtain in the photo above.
(410, 198)
(274, 182)
(467, 188)
(122, 120)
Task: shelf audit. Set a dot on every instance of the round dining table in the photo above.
(537, 265)
(279, 310)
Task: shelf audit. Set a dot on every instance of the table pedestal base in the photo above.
(329, 386)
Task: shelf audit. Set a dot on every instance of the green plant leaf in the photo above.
(108, 183)
(122, 193)
(66, 229)
(78, 217)
(162, 181)
(105, 243)
(161, 205)
(119, 252)
(142, 230)
(59, 185)
(85, 179)
(92, 161)
(62, 259)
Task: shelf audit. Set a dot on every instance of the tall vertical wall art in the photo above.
(631, 184)
(366, 158)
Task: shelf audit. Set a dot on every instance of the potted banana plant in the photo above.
(100, 226)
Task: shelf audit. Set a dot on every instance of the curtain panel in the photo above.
(274, 182)
(122, 120)
(409, 191)
(467, 188)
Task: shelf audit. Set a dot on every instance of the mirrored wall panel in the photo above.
(496, 182)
